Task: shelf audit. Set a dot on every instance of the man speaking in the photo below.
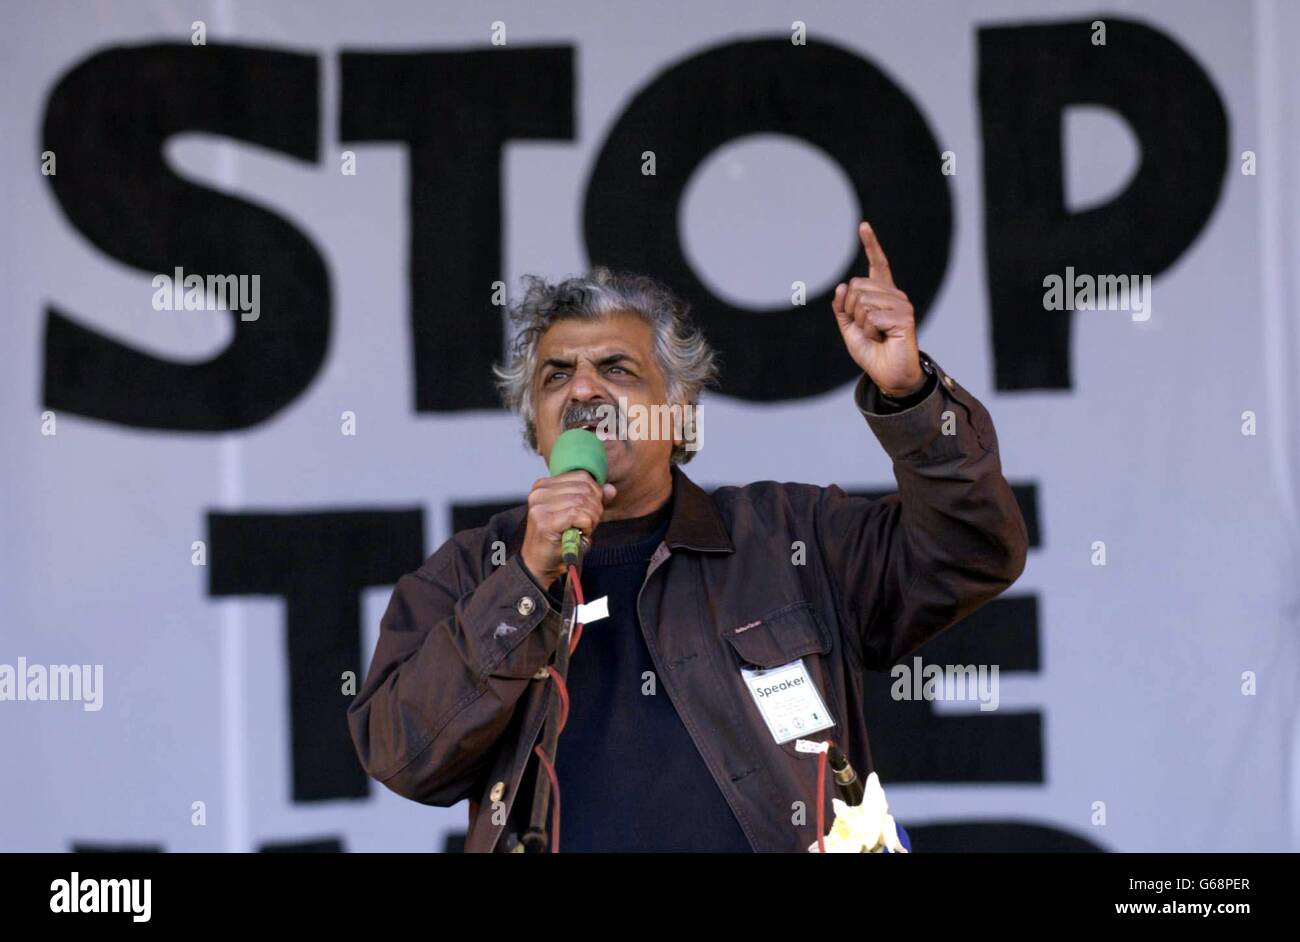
(738, 623)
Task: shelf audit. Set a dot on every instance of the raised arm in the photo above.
(909, 565)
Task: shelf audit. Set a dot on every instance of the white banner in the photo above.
(206, 509)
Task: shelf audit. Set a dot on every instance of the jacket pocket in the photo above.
(790, 633)
(780, 636)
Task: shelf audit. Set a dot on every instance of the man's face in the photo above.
(589, 363)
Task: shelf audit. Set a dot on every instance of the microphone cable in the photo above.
(562, 691)
(846, 779)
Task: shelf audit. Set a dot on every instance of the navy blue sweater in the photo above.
(631, 778)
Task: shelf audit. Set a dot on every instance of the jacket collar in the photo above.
(694, 523)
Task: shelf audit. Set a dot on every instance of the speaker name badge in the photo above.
(788, 700)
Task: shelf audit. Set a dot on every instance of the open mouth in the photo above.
(605, 435)
(592, 419)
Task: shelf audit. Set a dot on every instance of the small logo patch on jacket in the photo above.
(746, 627)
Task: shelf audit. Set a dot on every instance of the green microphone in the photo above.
(578, 449)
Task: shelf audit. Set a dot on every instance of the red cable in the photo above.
(821, 798)
(555, 797)
(577, 584)
(563, 691)
(577, 595)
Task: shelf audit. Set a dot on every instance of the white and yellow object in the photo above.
(867, 828)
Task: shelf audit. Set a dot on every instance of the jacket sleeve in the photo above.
(907, 566)
(451, 662)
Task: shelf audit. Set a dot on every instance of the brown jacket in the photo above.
(452, 706)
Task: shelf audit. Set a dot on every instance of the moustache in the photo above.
(591, 415)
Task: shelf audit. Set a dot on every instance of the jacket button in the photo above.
(524, 606)
(498, 790)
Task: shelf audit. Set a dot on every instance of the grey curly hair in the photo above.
(685, 357)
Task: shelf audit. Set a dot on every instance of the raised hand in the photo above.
(878, 325)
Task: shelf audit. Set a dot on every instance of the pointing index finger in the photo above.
(877, 263)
